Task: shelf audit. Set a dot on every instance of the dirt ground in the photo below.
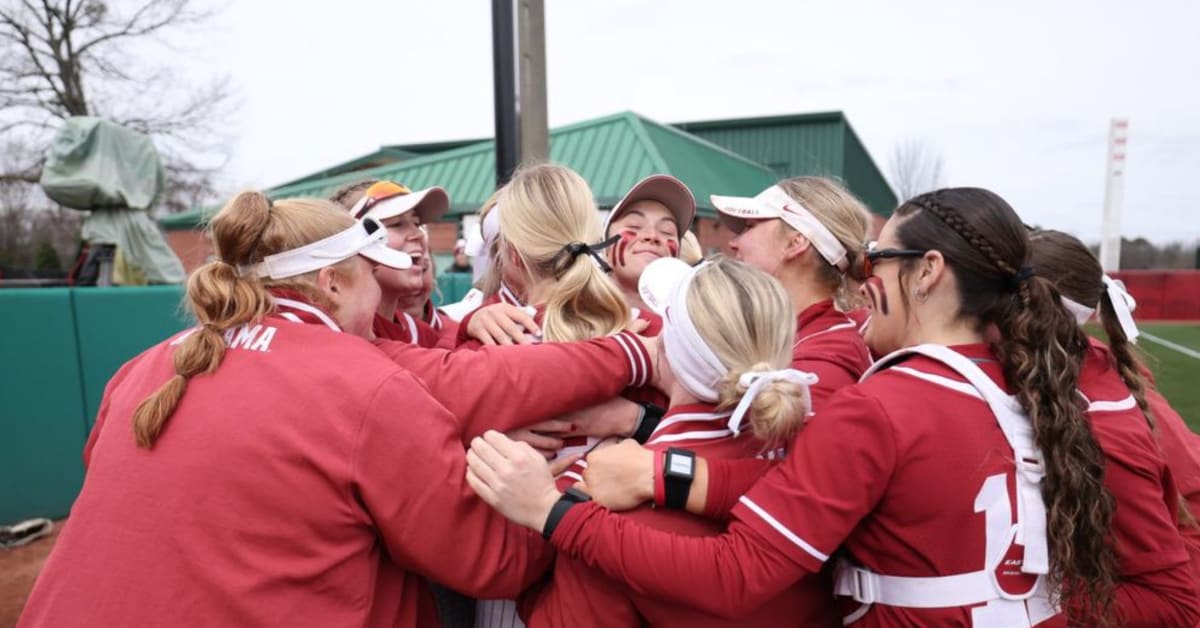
(18, 569)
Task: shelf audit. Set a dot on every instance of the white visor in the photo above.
(773, 202)
(367, 237)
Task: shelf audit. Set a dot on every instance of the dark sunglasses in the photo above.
(873, 256)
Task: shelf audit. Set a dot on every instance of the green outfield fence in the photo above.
(60, 346)
(59, 349)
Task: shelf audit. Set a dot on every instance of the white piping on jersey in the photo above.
(849, 324)
(291, 317)
(675, 438)
(688, 416)
(639, 373)
(657, 436)
(1127, 403)
(412, 328)
(508, 296)
(304, 307)
(782, 529)
(573, 476)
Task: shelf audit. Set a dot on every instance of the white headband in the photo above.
(774, 202)
(664, 286)
(1123, 304)
(479, 242)
(366, 237)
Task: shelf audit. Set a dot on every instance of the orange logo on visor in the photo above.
(378, 192)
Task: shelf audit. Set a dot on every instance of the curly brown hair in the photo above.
(1040, 349)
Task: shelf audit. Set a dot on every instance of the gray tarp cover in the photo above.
(115, 172)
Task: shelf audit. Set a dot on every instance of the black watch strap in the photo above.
(571, 497)
(651, 416)
(678, 472)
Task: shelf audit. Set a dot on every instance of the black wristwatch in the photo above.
(679, 469)
(571, 497)
(650, 416)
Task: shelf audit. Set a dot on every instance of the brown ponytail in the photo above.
(247, 229)
(1076, 273)
(1040, 350)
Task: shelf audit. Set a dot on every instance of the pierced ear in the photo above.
(933, 268)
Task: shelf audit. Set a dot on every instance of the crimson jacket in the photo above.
(284, 490)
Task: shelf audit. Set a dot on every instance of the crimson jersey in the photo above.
(828, 344)
(446, 327)
(504, 388)
(579, 595)
(406, 328)
(284, 490)
(890, 470)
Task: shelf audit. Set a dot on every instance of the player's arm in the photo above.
(102, 411)
(625, 475)
(410, 477)
(784, 528)
(1156, 585)
(515, 387)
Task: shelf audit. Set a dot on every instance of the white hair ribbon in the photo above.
(1081, 312)
(756, 381)
(1123, 304)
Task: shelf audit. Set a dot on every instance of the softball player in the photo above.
(961, 477)
(728, 323)
(251, 471)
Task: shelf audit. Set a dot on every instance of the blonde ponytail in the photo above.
(247, 229)
(544, 210)
(747, 318)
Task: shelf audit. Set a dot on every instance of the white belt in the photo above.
(868, 587)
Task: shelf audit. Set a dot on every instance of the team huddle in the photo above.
(613, 430)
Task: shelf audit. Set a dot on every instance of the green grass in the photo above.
(1177, 374)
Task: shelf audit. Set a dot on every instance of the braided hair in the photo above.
(1040, 348)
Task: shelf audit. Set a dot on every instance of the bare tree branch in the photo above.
(916, 168)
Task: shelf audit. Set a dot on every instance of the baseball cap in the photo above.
(664, 188)
(387, 199)
(366, 237)
(773, 202)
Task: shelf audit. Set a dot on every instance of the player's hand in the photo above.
(620, 477)
(512, 478)
(545, 437)
(615, 417)
(502, 324)
(637, 325)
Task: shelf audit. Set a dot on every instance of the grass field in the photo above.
(1177, 374)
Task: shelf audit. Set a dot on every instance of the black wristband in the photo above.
(571, 497)
(679, 469)
(651, 416)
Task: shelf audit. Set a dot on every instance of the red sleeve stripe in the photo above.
(573, 476)
(639, 359)
(782, 529)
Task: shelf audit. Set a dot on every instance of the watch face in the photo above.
(680, 465)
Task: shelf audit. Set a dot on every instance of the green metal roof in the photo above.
(611, 153)
(385, 155)
(821, 144)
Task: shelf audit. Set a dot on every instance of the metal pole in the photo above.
(531, 74)
(508, 123)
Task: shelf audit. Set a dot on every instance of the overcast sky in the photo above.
(1016, 96)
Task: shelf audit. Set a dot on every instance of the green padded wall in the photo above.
(116, 324)
(41, 404)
